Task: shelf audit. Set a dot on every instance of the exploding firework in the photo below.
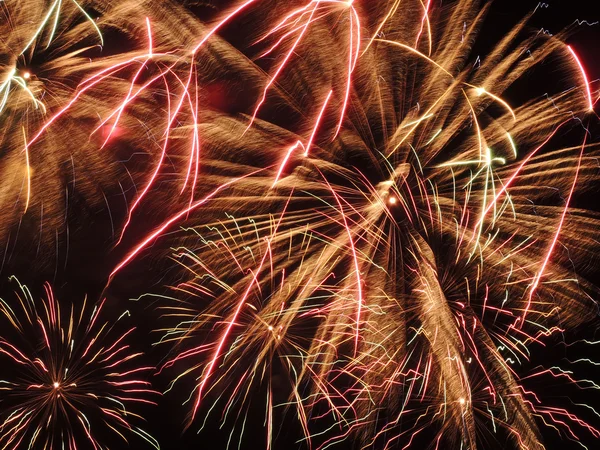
(81, 125)
(69, 378)
(394, 282)
(401, 235)
(40, 55)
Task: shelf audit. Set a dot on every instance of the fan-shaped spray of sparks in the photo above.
(64, 99)
(42, 59)
(68, 377)
(401, 274)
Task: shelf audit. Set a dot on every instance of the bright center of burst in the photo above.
(56, 385)
(461, 401)
(27, 75)
(392, 200)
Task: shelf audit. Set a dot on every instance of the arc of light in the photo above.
(584, 76)
(536, 280)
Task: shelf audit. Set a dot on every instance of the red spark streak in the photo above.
(355, 260)
(171, 221)
(585, 77)
(516, 174)
(539, 275)
(236, 313)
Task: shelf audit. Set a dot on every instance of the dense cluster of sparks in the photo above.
(68, 376)
(374, 247)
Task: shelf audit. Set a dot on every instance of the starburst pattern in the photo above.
(69, 377)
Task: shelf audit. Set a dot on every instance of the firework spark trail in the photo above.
(585, 78)
(55, 9)
(292, 20)
(401, 227)
(95, 81)
(6, 87)
(83, 373)
(425, 20)
(115, 115)
(231, 322)
(506, 184)
(129, 97)
(299, 144)
(58, 72)
(174, 219)
(359, 281)
(174, 113)
(28, 169)
(382, 270)
(288, 21)
(105, 75)
(540, 273)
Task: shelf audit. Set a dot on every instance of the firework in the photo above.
(400, 276)
(69, 378)
(378, 245)
(63, 97)
(61, 86)
(35, 68)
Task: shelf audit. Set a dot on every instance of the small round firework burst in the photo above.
(69, 378)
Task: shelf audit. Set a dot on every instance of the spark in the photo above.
(586, 83)
(98, 375)
(55, 10)
(540, 273)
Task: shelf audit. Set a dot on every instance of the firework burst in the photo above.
(377, 246)
(64, 98)
(400, 275)
(69, 378)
